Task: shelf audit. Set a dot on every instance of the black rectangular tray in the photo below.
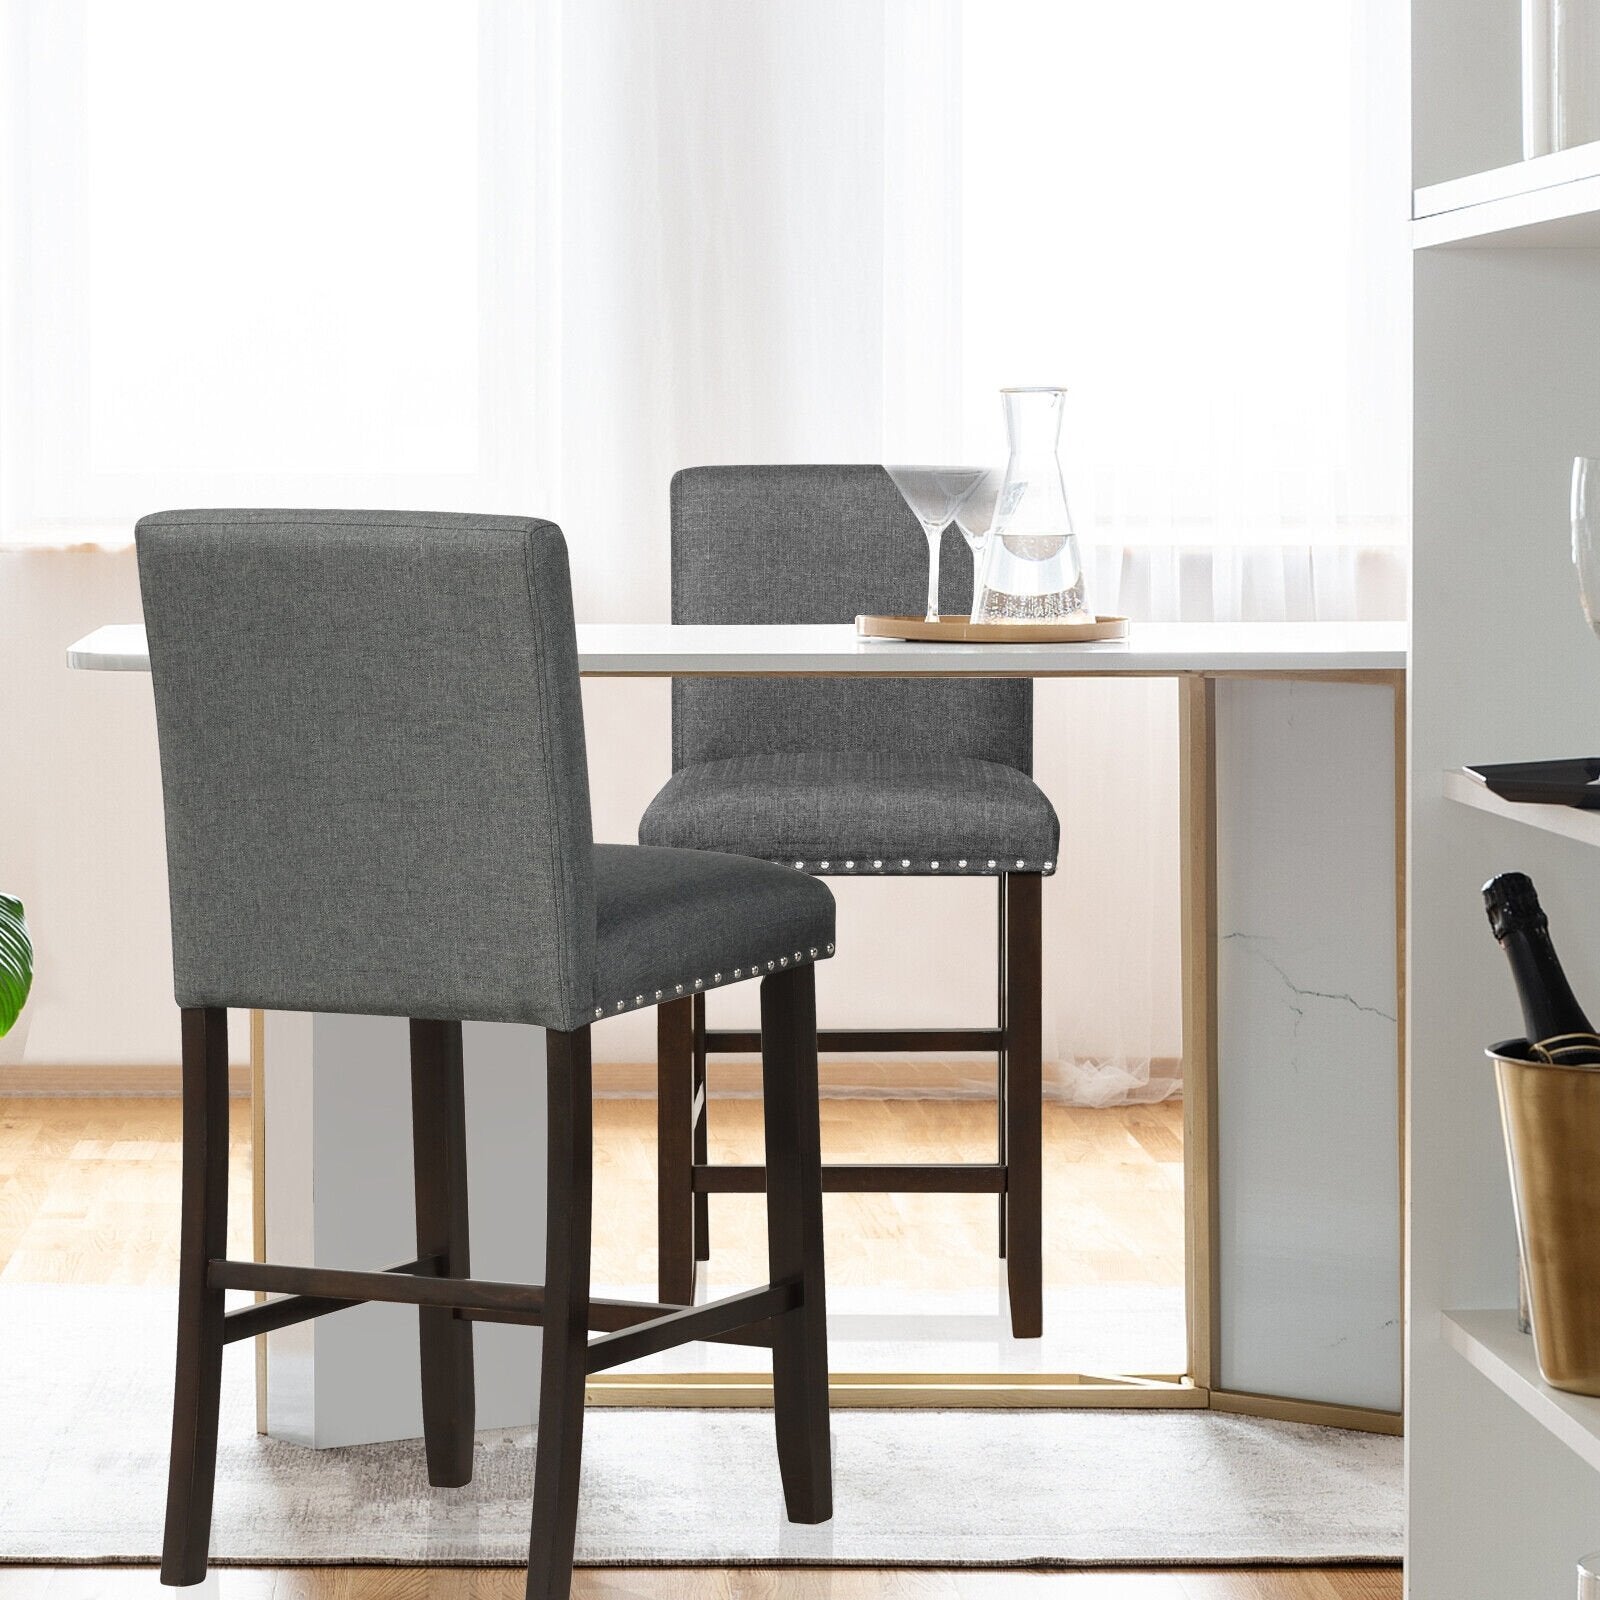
(1546, 783)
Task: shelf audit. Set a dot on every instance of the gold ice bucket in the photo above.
(1551, 1117)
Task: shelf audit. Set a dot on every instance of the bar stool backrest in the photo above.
(372, 759)
(823, 544)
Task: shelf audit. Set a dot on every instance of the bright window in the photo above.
(262, 253)
(1195, 216)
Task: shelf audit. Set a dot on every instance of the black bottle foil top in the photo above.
(1513, 905)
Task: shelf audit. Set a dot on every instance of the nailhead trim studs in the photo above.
(781, 962)
(908, 865)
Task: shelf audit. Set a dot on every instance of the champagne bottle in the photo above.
(1554, 1022)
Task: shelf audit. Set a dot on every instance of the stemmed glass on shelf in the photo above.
(1586, 534)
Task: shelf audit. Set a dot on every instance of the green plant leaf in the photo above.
(16, 961)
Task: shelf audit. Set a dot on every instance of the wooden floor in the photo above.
(89, 1190)
(1113, 1191)
(714, 1583)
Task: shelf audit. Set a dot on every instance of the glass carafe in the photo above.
(1032, 571)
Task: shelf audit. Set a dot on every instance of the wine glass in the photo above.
(975, 516)
(1586, 534)
(935, 495)
(1586, 539)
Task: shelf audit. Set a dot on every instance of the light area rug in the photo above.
(85, 1381)
(1093, 1328)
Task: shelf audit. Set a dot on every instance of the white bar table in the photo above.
(1291, 738)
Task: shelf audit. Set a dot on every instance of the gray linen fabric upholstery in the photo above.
(834, 811)
(373, 764)
(798, 544)
(823, 544)
(673, 922)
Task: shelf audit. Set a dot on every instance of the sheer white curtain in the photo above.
(542, 255)
(758, 253)
(1195, 217)
(258, 253)
(832, 232)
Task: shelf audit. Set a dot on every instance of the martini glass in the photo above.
(975, 516)
(935, 495)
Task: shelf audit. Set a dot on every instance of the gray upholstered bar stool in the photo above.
(376, 796)
(855, 778)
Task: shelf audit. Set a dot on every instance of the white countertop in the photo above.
(1153, 649)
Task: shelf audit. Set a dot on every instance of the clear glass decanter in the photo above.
(1032, 571)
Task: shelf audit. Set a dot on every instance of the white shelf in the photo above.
(1489, 1341)
(1569, 822)
(1502, 183)
(1550, 200)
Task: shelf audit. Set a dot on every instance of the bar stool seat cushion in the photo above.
(860, 813)
(673, 923)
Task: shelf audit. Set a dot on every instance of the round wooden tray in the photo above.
(956, 629)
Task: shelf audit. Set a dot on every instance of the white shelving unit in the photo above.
(1565, 821)
(1504, 1473)
(1552, 200)
(1507, 182)
(1491, 1342)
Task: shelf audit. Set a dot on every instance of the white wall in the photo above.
(80, 830)
(80, 841)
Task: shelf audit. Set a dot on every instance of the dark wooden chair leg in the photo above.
(439, 1150)
(675, 1252)
(794, 1240)
(564, 1363)
(1000, 1056)
(1024, 1112)
(702, 1130)
(197, 1392)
